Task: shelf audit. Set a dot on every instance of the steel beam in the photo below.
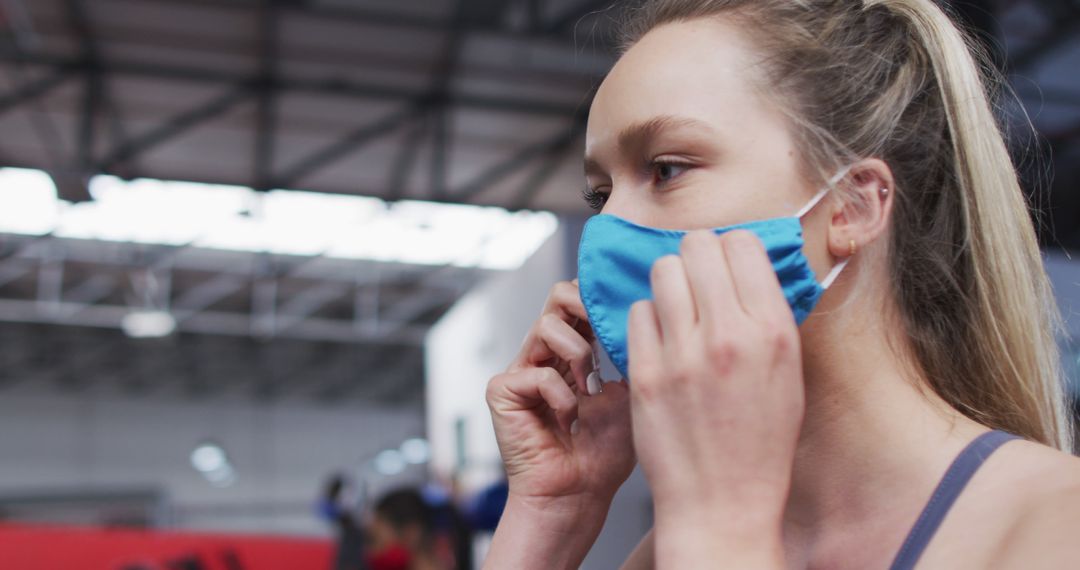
(516, 162)
(95, 288)
(366, 314)
(50, 284)
(34, 89)
(357, 14)
(11, 272)
(440, 148)
(176, 125)
(346, 145)
(389, 379)
(205, 294)
(266, 101)
(405, 311)
(92, 101)
(207, 322)
(440, 109)
(79, 23)
(264, 301)
(357, 371)
(545, 169)
(275, 382)
(30, 247)
(305, 303)
(327, 86)
(404, 160)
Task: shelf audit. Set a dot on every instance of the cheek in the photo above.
(381, 536)
(724, 197)
(816, 248)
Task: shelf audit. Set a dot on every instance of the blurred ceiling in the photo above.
(470, 101)
(477, 101)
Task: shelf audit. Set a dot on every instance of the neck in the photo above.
(874, 441)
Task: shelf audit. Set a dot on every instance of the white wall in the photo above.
(282, 453)
(476, 340)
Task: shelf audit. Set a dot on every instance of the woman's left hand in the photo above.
(717, 401)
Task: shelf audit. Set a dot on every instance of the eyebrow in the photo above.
(636, 135)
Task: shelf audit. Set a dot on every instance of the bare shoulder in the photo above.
(1045, 513)
(1015, 513)
(1027, 459)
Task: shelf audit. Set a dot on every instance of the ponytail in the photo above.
(1011, 378)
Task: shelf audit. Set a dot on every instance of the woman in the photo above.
(769, 444)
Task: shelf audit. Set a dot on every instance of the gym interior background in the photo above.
(246, 245)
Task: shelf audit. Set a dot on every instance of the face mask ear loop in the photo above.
(834, 273)
(820, 195)
(813, 202)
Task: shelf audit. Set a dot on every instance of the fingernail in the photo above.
(592, 383)
(574, 427)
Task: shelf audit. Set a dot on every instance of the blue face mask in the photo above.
(616, 256)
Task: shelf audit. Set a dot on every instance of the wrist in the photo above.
(546, 533)
(739, 540)
(560, 513)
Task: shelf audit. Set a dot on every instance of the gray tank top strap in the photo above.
(952, 484)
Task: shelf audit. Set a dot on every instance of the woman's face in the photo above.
(679, 136)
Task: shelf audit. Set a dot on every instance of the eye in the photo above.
(665, 170)
(594, 198)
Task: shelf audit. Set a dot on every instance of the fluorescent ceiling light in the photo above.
(28, 203)
(211, 461)
(415, 451)
(209, 457)
(286, 222)
(389, 462)
(148, 324)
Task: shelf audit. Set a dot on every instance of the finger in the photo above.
(643, 341)
(613, 402)
(555, 337)
(674, 303)
(756, 284)
(527, 389)
(710, 277)
(564, 301)
(606, 415)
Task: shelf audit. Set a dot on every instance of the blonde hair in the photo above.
(895, 79)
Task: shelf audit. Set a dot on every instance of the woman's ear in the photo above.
(862, 213)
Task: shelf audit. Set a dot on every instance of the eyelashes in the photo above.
(594, 199)
(660, 173)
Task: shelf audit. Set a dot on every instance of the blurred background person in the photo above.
(408, 532)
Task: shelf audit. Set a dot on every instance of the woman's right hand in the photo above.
(566, 452)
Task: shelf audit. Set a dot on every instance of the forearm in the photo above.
(548, 536)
